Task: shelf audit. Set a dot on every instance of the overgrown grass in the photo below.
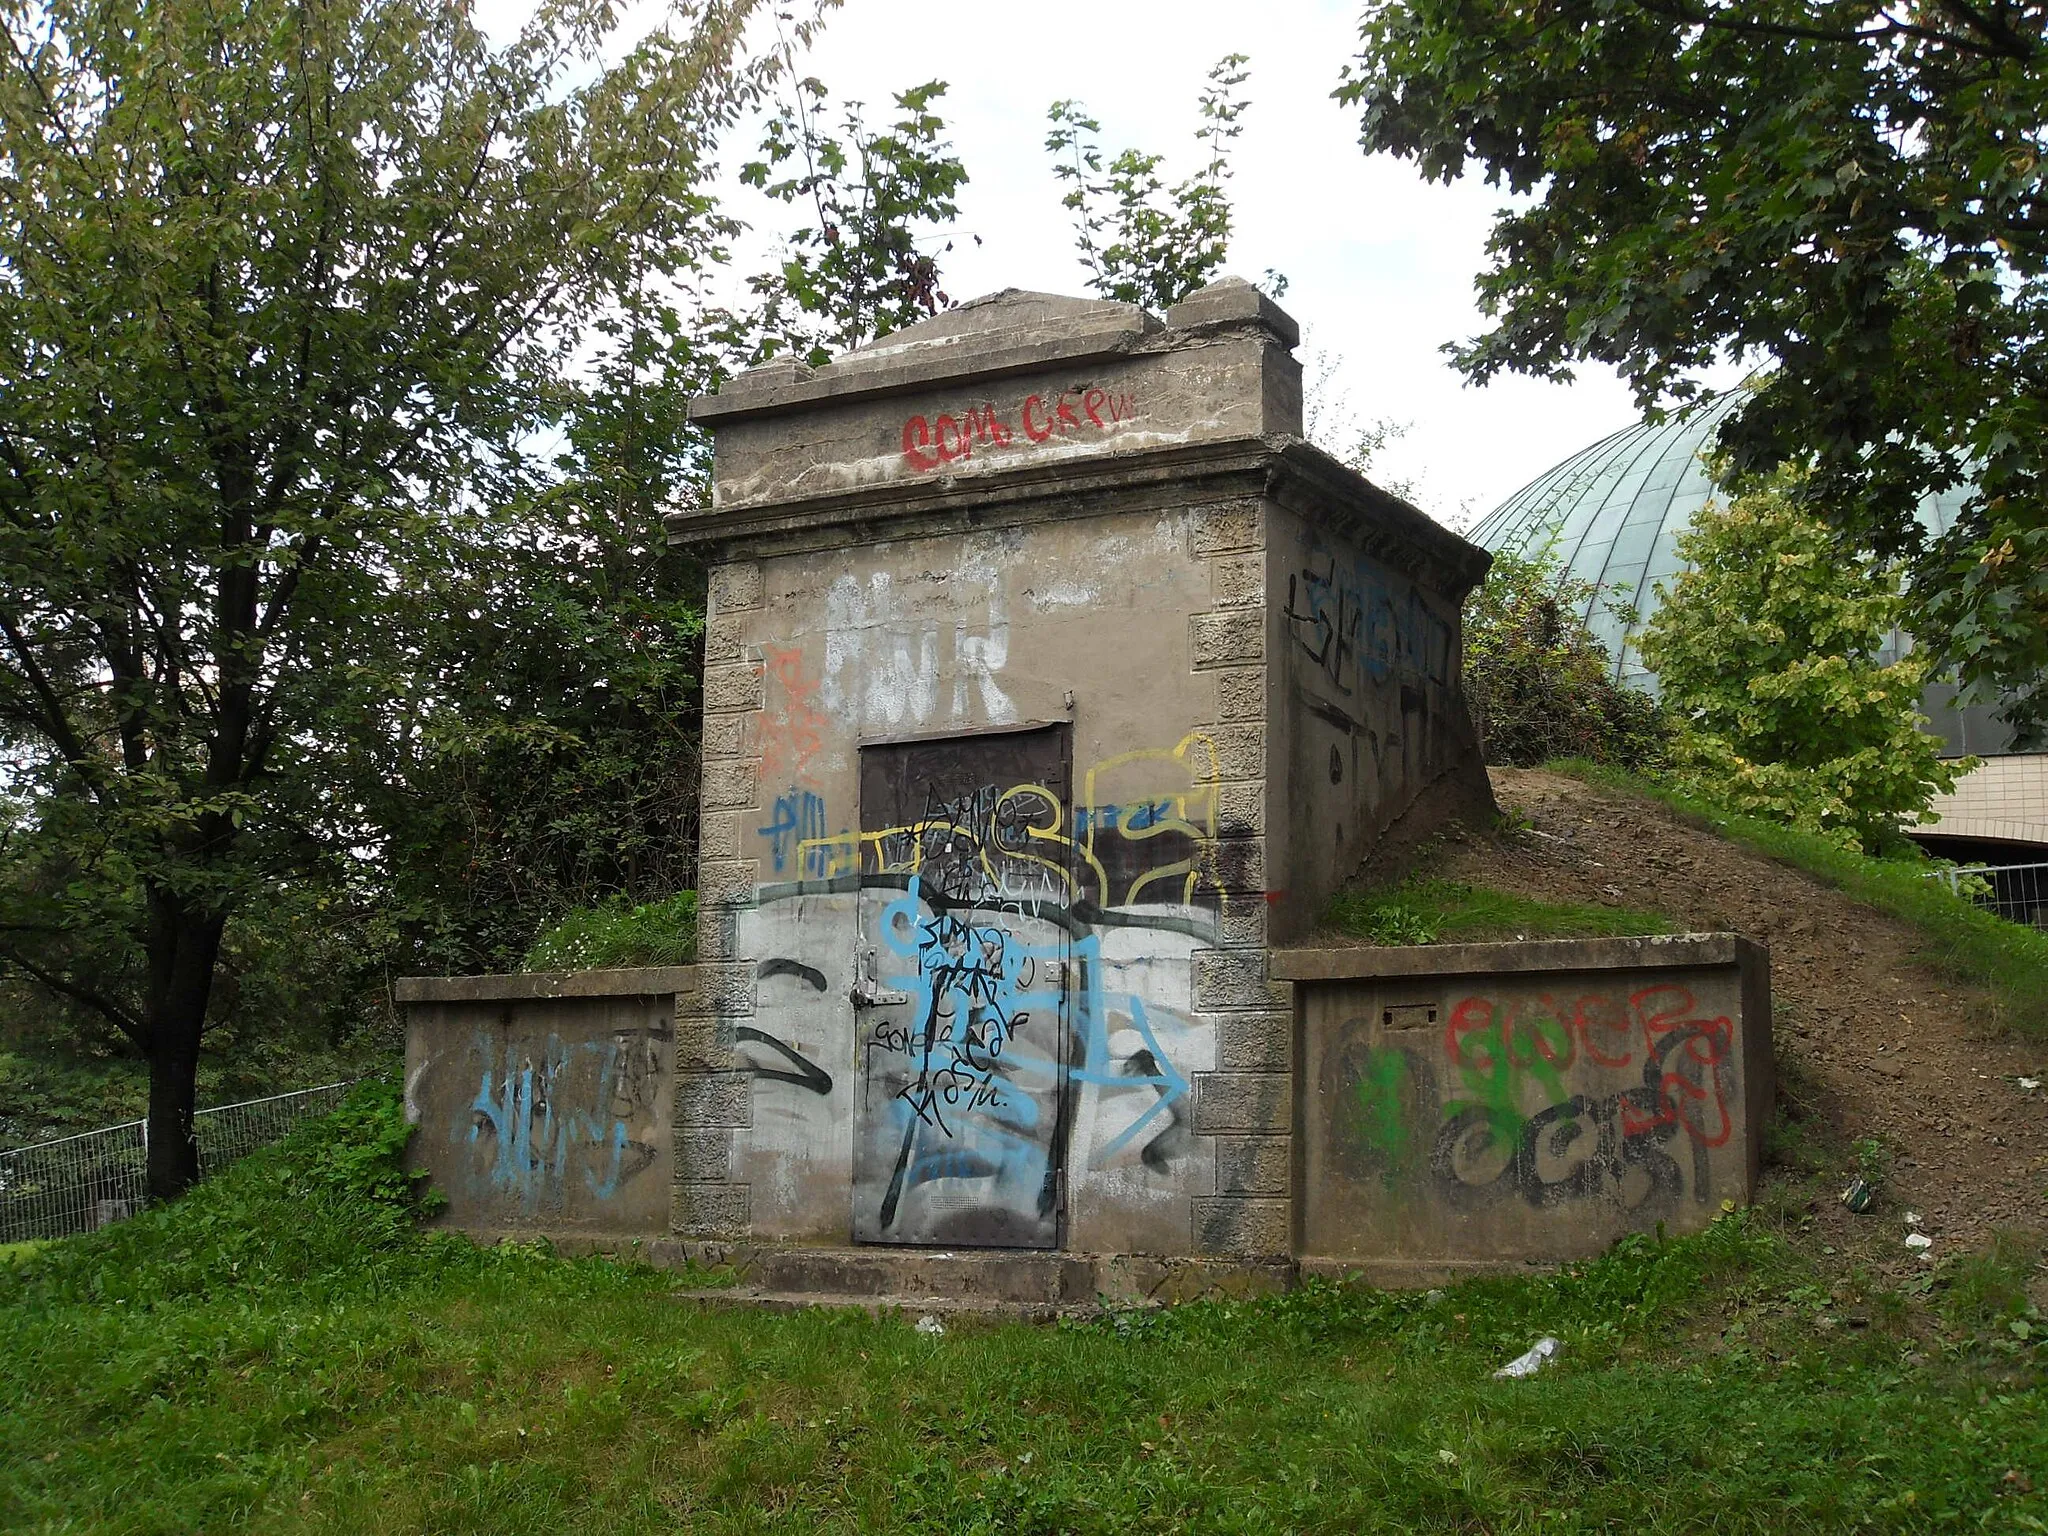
(619, 933)
(1962, 939)
(1424, 911)
(284, 1351)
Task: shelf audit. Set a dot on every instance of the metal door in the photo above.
(960, 1001)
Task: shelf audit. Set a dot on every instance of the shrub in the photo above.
(1539, 684)
(331, 1206)
(1770, 653)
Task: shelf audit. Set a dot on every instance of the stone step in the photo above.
(906, 1275)
(945, 1308)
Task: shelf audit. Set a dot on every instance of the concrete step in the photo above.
(1003, 1275)
(945, 1308)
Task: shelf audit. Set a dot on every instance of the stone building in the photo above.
(1052, 686)
(1050, 680)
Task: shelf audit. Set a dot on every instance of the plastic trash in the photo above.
(1919, 1242)
(2028, 1083)
(1529, 1364)
(1859, 1196)
(930, 1323)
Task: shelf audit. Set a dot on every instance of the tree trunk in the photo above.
(183, 945)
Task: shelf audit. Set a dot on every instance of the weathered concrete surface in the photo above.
(543, 1101)
(1016, 377)
(1034, 632)
(1492, 1104)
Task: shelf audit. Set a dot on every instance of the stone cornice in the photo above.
(1290, 472)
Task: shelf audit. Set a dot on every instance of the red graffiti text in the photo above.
(933, 442)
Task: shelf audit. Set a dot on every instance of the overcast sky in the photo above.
(1380, 263)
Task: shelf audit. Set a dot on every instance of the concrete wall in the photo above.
(1156, 833)
(1488, 1103)
(1369, 720)
(543, 1101)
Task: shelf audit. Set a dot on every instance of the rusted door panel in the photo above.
(964, 952)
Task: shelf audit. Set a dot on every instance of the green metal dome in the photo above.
(1612, 515)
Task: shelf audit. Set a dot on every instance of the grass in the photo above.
(1424, 911)
(1962, 939)
(284, 1351)
(617, 933)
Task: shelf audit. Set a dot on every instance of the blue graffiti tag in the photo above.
(799, 818)
(978, 986)
(535, 1137)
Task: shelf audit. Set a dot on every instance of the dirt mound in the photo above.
(1872, 1042)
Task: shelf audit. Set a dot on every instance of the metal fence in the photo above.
(2018, 892)
(80, 1183)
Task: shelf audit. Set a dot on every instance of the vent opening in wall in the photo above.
(1408, 1016)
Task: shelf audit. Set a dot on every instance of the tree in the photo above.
(1851, 190)
(287, 293)
(863, 269)
(1539, 684)
(1144, 243)
(1770, 654)
(547, 767)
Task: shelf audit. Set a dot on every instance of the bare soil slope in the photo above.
(1870, 1039)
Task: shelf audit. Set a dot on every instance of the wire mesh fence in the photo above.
(2016, 892)
(80, 1183)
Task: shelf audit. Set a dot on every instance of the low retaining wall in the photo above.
(544, 1101)
(1456, 1107)
(1486, 1104)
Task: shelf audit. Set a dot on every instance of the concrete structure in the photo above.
(1052, 683)
(1466, 1104)
(1050, 679)
(543, 1101)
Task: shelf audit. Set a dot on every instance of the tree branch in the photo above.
(124, 1020)
(1998, 42)
(55, 722)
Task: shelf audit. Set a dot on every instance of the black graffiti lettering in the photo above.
(804, 1072)
(810, 975)
(1577, 1149)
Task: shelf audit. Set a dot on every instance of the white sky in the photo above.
(1380, 263)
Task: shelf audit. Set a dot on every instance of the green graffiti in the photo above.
(1381, 1094)
(1496, 1062)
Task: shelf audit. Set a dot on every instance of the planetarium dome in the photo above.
(1612, 514)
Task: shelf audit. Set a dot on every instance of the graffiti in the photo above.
(1157, 841)
(934, 442)
(980, 1076)
(1130, 818)
(790, 736)
(568, 1112)
(1495, 1114)
(1495, 1046)
(803, 1072)
(1580, 1147)
(1378, 1115)
(985, 993)
(1363, 625)
(798, 823)
(882, 666)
